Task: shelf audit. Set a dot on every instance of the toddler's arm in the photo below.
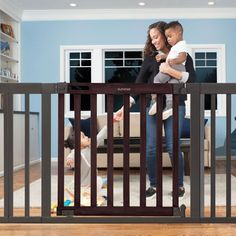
(182, 56)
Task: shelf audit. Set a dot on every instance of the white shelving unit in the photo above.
(10, 51)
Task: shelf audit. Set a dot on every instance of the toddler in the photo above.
(85, 154)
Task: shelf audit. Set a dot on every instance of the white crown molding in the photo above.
(9, 8)
(100, 14)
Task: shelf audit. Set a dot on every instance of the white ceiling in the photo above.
(118, 4)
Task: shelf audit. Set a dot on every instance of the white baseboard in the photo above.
(19, 167)
(54, 159)
(220, 158)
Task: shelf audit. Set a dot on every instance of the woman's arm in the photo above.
(167, 69)
(146, 73)
(188, 76)
(119, 115)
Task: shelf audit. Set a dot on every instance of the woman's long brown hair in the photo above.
(149, 48)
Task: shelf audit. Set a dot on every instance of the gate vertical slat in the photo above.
(110, 156)
(175, 149)
(8, 153)
(46, 155)
(213, 163)
(61, 111)
(197, 152)
(27, 154)
(77, 130)
(159, 163)
(93, 150)
(228, 156)
(126, 185)
(142, 150)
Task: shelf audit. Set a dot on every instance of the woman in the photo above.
(155, 46)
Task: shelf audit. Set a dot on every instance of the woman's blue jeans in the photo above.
(151, 155)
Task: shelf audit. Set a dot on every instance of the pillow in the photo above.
(185, 133)
(84, 125)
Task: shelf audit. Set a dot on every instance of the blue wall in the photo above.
(40, 54)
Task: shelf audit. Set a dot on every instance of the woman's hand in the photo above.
(119, 115)
(160, 56)
(164, 68)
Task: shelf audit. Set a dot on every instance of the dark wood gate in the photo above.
(110, 90)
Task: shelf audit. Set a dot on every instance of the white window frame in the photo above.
(221, 74)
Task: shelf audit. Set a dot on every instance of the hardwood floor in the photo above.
(113, 229)
(35, 173)
(117, 229)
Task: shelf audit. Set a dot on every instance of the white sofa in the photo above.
(135, 132)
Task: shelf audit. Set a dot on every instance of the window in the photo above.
(80, 71)
(209, 61)
(122, 67)
(206, 71)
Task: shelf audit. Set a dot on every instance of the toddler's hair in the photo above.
(174, 25)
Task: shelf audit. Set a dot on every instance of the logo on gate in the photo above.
(123, 89)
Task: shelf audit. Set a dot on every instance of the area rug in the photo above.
(35, 191)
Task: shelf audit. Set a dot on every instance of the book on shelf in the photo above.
(7, 29)
(5, 48)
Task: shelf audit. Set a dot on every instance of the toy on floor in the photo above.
(67, 202)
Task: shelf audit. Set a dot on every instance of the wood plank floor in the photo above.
(117, 229)
(113, 229)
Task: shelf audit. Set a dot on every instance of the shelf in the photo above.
(8, 59)
(8, 38)
(10, 53)
(5, 79)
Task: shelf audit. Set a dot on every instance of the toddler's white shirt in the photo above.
(176, 49)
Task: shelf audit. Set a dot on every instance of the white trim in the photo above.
(97, 75)
(22, 166)
(92, 47)
(8, 7)
(221, 74)
(155, 13)
(224, 157)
